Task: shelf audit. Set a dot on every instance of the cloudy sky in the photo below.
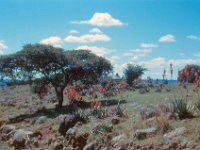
(153, 33)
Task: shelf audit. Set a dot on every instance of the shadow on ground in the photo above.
(54, 112)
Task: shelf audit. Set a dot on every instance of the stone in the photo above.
(142, 134)
(174, 133)
(20, 137)
(68, 122)
(7, 129)
(41, 120)
(197, 147)
(77, 137)
(149, 112)
(191, 144)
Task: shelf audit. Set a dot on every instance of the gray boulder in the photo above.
(20, 137)
(7, 129)
(41, 120)
(149, 112)
(142, 134)
(68, 122)
(177, 132)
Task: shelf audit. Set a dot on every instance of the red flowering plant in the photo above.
(73, 94)
(96, 109)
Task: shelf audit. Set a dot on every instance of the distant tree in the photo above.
(189, 73)
(132, 72)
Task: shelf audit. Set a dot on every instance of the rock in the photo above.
(197, 147)
(41, 120)
(77, 137)
(7, 129)
(191, 144)
(115, 120)
(57, 146)
(68, 122)
(141, 134)
(20, 137)
(174, 133)
(149, 112)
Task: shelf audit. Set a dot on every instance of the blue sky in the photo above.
(151, 33)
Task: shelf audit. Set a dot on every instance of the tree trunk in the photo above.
(59, 94)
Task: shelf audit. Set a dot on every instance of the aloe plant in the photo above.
(183, 108)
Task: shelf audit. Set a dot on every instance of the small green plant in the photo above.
(119, 111)
(183, 109)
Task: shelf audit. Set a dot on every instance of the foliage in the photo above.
(133, 72)
(189, 73)
(183, 109)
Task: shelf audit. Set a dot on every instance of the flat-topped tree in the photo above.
(55, 66)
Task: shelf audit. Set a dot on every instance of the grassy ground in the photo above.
(22, 101)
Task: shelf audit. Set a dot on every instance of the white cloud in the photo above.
(2, 47)
(73, 32)
(96, 30)
(154, 63)
(53, 40)
(128, 54)
(193, 37)
(167, 38)
(148, 45)
(114, 58)
(101, 19)
(197, 54)
(87, 38)
(141, 52)
(135, 58)
(99, 51)
(183, 62)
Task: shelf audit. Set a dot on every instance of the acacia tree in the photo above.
(132, 72)
(54, 65)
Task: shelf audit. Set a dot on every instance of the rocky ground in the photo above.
(26, 122)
